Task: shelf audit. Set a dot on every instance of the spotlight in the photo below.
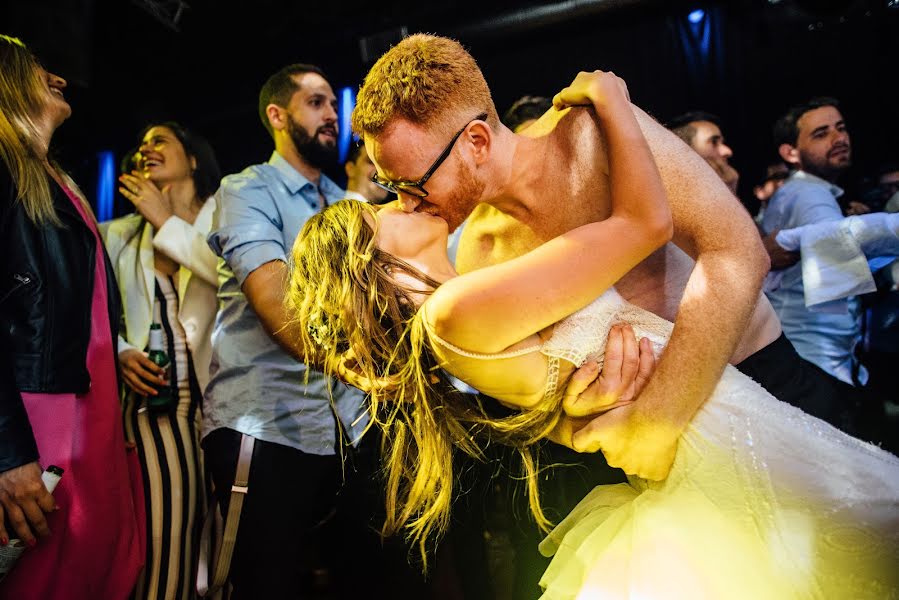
(696, 16)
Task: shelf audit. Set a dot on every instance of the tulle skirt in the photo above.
(762, 502)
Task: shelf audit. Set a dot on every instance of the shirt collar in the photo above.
(354, 195)
(806, 176)
(295, 181)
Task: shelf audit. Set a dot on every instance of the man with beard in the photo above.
(256, 387)
(814, 139)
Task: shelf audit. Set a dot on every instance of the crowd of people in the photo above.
(544, 353)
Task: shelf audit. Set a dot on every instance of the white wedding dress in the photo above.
(763, 501)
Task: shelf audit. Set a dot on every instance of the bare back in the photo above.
(570, 187)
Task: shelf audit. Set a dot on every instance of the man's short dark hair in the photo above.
(524, 109)
(682, 127)
(786, 128)
(279, 88)
(356, 148)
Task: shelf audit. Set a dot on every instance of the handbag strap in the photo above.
(225, 546)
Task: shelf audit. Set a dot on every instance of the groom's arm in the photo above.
(713, 227)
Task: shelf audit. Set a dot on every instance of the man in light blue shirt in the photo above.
(813, 138)
(257, 385)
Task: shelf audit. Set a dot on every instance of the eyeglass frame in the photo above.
(395, 187)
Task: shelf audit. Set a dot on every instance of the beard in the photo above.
(465, 197)
(316, 153)
(826, 167)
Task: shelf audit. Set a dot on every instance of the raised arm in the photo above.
(185, 243)
(515, 299)
(720, 296)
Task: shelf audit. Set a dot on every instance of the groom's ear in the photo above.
(479, 137)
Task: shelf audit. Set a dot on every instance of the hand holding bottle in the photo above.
(140, 373)
(165, 398)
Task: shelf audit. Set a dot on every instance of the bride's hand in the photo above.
(600, 89)
(628, 366)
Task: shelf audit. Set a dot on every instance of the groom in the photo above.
(430, 126)
(426, 99)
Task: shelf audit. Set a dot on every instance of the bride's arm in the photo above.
(490, 309)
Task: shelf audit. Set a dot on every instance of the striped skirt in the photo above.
(175, 484)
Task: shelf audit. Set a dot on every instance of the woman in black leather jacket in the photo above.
(59, 390)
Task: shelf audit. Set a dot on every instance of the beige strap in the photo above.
(224, 547)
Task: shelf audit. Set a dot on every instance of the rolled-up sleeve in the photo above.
(247, 229)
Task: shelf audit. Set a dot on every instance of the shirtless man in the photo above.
(522, 190)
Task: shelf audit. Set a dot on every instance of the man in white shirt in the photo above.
(813, 137)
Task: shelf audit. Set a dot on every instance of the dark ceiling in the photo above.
(129, 61)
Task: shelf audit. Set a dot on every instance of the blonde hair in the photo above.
(22, 92)
(352, 311)
(427, 80)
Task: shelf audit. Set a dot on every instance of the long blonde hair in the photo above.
(22, 92)
(352, 311)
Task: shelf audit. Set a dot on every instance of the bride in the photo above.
(762, 501)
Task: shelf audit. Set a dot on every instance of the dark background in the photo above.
(130, 61)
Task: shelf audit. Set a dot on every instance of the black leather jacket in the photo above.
(46, 288)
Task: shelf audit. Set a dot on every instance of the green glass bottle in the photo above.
(164, 398)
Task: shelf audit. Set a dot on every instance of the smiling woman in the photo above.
(166, 274)
(59, 392)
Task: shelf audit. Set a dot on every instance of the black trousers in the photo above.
(790, 378)
(308, 524)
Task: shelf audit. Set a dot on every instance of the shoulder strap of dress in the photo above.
(475, 355)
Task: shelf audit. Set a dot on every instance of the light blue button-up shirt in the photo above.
(255, 387)
(823, 338)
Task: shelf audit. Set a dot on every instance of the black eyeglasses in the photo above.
(416, 188)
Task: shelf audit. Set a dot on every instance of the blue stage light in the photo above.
(105, 185)
(696, 16)
(345, 104)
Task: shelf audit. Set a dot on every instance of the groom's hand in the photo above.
(628, 366)
(601, 412)
(631, 441)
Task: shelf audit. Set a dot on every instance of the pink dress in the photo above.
(97, 542)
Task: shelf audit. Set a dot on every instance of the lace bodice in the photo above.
(582, 335)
